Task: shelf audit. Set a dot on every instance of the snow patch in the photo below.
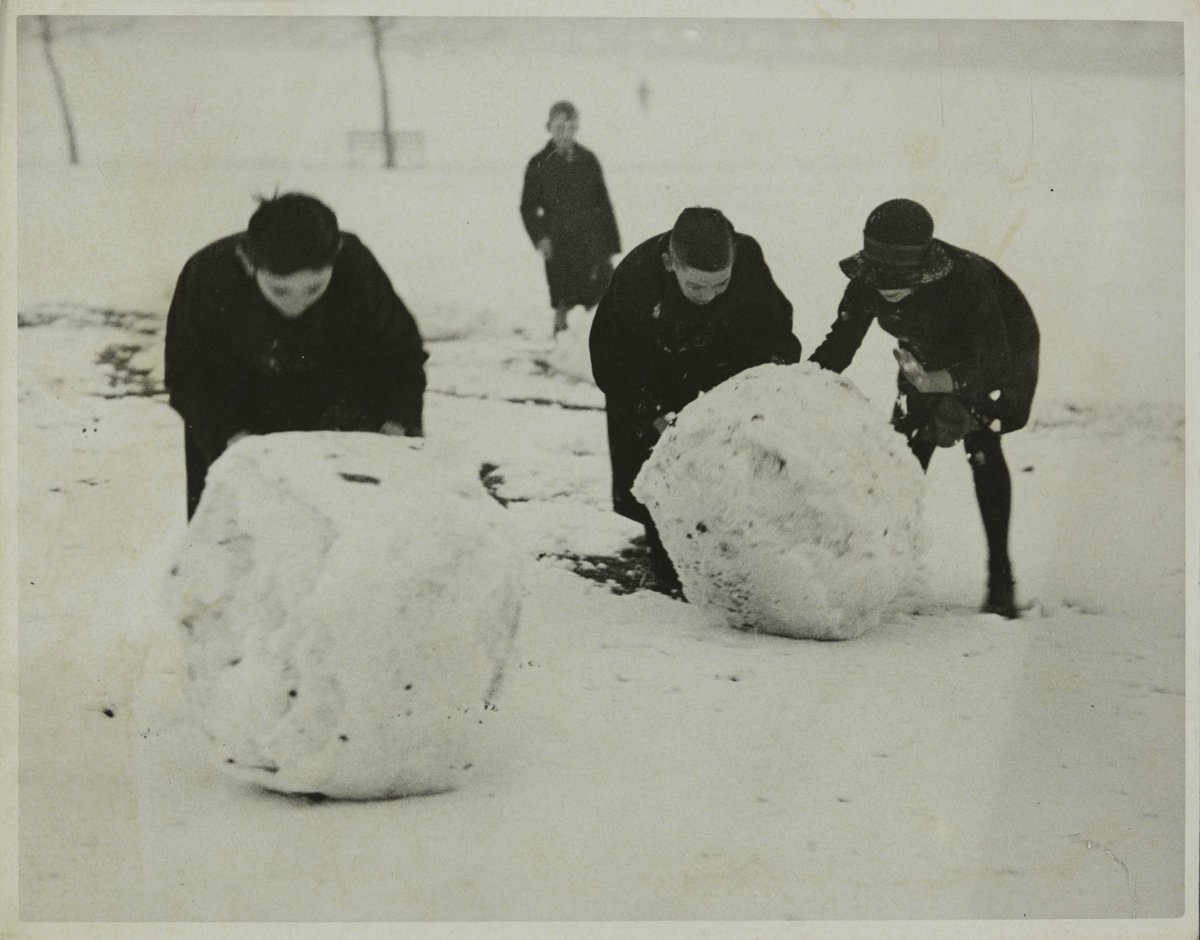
(442, 322)
(570, 356)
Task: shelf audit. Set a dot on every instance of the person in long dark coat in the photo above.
(569, 218)
(686, 310)
(967, 347)
(291, 325)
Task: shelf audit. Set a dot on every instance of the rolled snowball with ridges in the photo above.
(787, 503)
(346, 613)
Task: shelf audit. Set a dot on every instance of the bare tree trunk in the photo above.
(60, 87)
(389, 144)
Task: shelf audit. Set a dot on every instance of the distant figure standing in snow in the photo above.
(291, 325)
(967, 348)
(643, 94)
(569, 218)
(685, 311)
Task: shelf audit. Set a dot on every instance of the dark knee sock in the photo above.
(993, 490)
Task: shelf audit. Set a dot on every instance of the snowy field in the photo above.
(642, 763)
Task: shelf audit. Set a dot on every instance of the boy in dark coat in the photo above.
(967, 346)
(569, 218)
(291, 325)
(685, 311)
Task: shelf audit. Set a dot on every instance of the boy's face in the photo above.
(698, 287)
(562, 130)
(292, 294)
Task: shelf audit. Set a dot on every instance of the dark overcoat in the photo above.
(653, 351)
(975, 323)
(352, 361)
(564, 199)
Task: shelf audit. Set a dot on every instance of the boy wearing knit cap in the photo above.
(685, 310)
(568, 216)
(967, 347)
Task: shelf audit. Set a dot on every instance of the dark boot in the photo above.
(1001, 595)
(993, 490)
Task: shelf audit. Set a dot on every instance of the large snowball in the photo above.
(347, 608)
(787, 502)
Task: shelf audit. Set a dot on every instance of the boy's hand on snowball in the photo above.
(922, 381)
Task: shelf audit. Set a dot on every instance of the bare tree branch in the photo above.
(389, 144)
(59, 86)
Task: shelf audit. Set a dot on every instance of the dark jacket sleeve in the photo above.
(1024, 347)
(609, 333)
(532, 203)
(204, 382)
(619, 351)
(610, 237)
(390, 348)
(854, 318)
(988, 363)
(775, 342)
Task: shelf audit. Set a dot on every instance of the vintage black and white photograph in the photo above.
(658, 472)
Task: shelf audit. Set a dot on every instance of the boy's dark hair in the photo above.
(292, 232)
(565, 108)
(703, 239)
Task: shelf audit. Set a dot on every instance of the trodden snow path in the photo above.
(642, 762)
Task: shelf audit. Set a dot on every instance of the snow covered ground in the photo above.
(642, 762)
